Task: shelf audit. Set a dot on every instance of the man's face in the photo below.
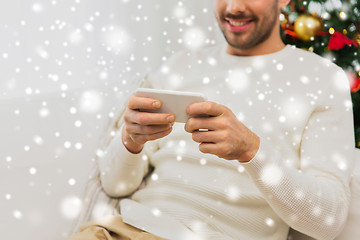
(247, 23)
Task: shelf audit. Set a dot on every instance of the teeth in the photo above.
(237, 24)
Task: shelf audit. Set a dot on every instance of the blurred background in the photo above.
(67, 66)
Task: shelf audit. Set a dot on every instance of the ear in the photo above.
(283, 3)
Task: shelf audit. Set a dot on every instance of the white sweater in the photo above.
(300, 106)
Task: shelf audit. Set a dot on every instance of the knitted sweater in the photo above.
(297, 103)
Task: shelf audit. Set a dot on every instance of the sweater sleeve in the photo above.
(314, 198)
(121, 172)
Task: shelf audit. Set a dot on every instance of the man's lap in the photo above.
(111, 228)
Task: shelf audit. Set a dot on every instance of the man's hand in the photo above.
(226, 137)
(141, 127)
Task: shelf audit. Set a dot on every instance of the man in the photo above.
(277, 153)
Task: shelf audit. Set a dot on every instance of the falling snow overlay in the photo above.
(67, 68)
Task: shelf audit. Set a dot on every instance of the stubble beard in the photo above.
(262, 31)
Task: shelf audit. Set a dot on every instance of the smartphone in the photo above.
(174, 102)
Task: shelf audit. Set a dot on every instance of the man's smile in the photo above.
(238, 25)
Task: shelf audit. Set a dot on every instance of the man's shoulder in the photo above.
(204, 52)
(329, 75)
(182, 59)
(183, 62)
(313, 59)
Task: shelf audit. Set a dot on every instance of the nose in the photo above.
(236, 6)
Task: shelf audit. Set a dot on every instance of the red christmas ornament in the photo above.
(339, 40)
(354, 82)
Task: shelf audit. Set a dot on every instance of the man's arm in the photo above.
(314, 200)
(121, 172)
(123, 164)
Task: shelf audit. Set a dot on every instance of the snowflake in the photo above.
(70, 207)
(271, 175)
(194, 38)
(238, 80)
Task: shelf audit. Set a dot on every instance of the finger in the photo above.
(209, 108)
(207, 136)
(210, 148)
(217, 149)
(133, 128)
(143, 138)
(145, 118)
(143, 103)
(209, 123)
(222, 150)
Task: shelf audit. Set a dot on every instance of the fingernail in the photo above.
(171, 118)
(156, 104)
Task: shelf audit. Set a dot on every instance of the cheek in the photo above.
(219, 7)
(260, 7)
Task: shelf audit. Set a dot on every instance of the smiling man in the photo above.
(277, 153)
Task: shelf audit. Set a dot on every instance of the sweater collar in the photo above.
(271, 57)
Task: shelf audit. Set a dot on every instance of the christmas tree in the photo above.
(330, 28)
